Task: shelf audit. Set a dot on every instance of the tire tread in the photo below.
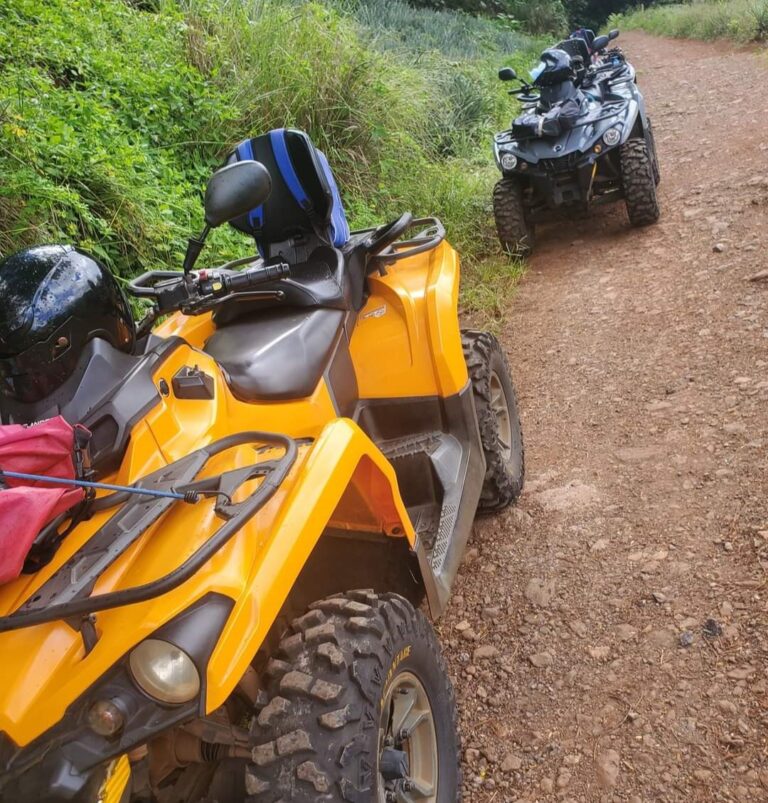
(500, 488)
(515, 233)
(638, 183)
(310, 746)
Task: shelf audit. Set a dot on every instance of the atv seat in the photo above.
(580, 55)
(278, 354)
(575, 47)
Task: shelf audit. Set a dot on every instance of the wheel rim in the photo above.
(407, 728)
(500, 409)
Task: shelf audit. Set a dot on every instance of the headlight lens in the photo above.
(508, 161)
(164, 672)
(612, 137)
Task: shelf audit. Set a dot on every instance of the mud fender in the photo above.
(342, 460)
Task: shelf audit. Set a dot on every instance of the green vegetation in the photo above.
(741, 20)
(539, 16)
(114, 112)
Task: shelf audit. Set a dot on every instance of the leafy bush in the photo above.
(114, 113)
(395, 24)
(539, 16)
(740, 20)
(546, 17)
(95, 99)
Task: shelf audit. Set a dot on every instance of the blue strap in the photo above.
(244, 152)
(283, 159)
(339, 228)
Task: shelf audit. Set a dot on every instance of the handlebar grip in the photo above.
(256, 276)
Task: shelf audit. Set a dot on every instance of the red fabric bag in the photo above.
(24, 511)
(44, 448)
(27, 506)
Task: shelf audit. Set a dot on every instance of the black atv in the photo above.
(583, 138)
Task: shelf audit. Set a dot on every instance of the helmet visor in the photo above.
(538, 70)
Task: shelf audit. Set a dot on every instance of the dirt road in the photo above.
(608, 636)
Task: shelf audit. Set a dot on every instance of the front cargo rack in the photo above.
(66, 595)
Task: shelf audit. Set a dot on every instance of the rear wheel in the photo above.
(360, 708)
(516, 233)
(498, 418)
(638, 183)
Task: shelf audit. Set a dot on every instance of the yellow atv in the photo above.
(280, 430)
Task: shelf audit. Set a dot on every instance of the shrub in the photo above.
(96, 103)
(114, 113)
(547, 17)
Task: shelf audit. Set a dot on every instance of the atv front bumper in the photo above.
(56, 780)
(576, 179)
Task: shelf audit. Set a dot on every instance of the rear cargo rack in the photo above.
(430, 234)
(66, 595)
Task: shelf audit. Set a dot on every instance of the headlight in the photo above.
(164, 672)
(612, 137)
(508, 161)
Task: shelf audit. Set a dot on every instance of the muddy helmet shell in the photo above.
(53, 300)
(554, 67)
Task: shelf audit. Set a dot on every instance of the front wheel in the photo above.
(638, 182)
(360, 708)
(651, 140)
(516, 233)
(499, 420)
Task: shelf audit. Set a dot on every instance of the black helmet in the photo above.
(554, 68)
(53, 300)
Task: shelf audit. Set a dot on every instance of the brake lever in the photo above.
(204, 304)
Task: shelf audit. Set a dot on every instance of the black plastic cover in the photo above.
(192, 383)
(108, 392)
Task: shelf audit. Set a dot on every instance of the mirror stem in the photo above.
(194, 247)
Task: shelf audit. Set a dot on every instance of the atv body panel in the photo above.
(384, 445)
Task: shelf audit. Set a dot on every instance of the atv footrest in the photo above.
(425, 443)
(429, 463)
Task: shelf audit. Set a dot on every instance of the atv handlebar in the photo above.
(222, 284)
(198, 292)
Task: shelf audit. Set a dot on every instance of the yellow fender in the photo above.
(343, 458)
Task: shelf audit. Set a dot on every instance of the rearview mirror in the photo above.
(235, 190)
(613, 34)
(507, 74)
(600, 43)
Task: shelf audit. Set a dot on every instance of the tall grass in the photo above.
(740, 20)
(395, 24)
(113, 113)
